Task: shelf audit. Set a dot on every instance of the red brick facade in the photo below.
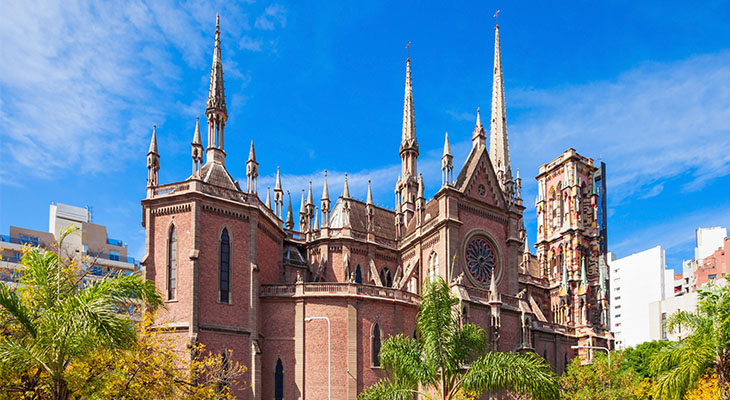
(715, 266)
(359, 273)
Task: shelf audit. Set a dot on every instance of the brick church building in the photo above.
(306, 310)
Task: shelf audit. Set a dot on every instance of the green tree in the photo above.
(52, 321)
(681, 365)
(450, 361)
(601, 380)
(639, 358)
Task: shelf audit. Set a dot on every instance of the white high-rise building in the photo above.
(709, 240)
(636, 281)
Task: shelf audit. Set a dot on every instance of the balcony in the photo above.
(115, 242)
(23, 240)
(112, 257)
(335, 289)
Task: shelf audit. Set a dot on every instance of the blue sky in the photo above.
(644, 86)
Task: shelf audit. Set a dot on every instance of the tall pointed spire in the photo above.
(346, 191)
(215, 108)
(478, 137)
(216, 93)
(498, 146)
(252, 171)
(408, 135)
(153, 163)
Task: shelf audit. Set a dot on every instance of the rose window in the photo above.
(481, 260)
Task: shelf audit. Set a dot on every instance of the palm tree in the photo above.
(681, 365)
(55, 320)
(450, 361)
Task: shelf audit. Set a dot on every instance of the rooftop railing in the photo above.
(115, 242)
(338, 289)
(112, 257)
(23, 240)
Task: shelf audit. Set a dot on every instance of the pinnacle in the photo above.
(346, 191)
(370, 194)
(325, 189)
(278, 181)
(196, 136)
(252, 153)
(153, 141)
(447, 148)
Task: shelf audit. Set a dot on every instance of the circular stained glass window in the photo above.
(481, 260)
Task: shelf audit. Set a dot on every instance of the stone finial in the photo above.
(289, 215)
(478, 137)
(153, 141)
(268, 197)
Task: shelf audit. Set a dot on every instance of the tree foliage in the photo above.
(450, 361)
(64, 336)
(601, 381)
(681, 365)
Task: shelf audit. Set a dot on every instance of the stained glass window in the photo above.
(481, 260)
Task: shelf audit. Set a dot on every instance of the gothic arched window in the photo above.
(385, 277)
(433, 266)
(172, 264)
(375, 346)
(358, 274)
(279, 381)
(224, 275)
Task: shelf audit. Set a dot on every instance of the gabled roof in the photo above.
(478, 160)
(215, 173)
(384, 219)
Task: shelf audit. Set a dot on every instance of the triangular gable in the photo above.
(478, 171)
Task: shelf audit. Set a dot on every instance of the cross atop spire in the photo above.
(498, 146)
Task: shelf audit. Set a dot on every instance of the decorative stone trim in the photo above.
(176, 209)
(482, 213)
(225, 213)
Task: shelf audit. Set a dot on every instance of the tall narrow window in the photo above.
(385, 277)
(375, 346)
(225, 270)
(279, 381)
(358, 274)
(172, 264)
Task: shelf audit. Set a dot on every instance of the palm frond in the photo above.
(387, 389)
(521, 373)
(9, 301)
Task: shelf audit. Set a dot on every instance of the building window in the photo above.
(481, 260)
(386, 278)
(358, 274)
(114, 255)
(279, 381)
(617, 289)
(617, 316)
(375, 346)
(225, 267)
(617, 298)
(617, 324)
(618, 306)
(433, 266)
(172, 264)
(664, 326)
(712, 276)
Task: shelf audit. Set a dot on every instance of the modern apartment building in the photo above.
(91, 246)
(636, 281)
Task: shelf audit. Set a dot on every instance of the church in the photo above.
(306, 310)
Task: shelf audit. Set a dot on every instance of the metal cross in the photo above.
(496, 19)
(408, 46)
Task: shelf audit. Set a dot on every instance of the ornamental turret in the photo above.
(252, 171)
(325, 202)
(197, 149)
(278, 196)
(153, 162)
(447, 164)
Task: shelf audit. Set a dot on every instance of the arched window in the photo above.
(385, 277)
(433, 266)
(279, 381)
(375, 346)
(224, 274)
(172, 264)
(358, 274)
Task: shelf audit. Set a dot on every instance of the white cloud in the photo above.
(82, 82)
(273, 14)
(654, 122)
(250, 44)
(462, 116)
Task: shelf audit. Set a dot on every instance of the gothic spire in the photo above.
(252, 153)
(370, 194)
(346, 191)
(289, 216)
(268, 197)
(498, 146)
(447, 147)
(325, 188)
(478, 137)
(408, 139)
(277, 187)
(216, 94)
(153, 141)
(196, 136)
(310, 199)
